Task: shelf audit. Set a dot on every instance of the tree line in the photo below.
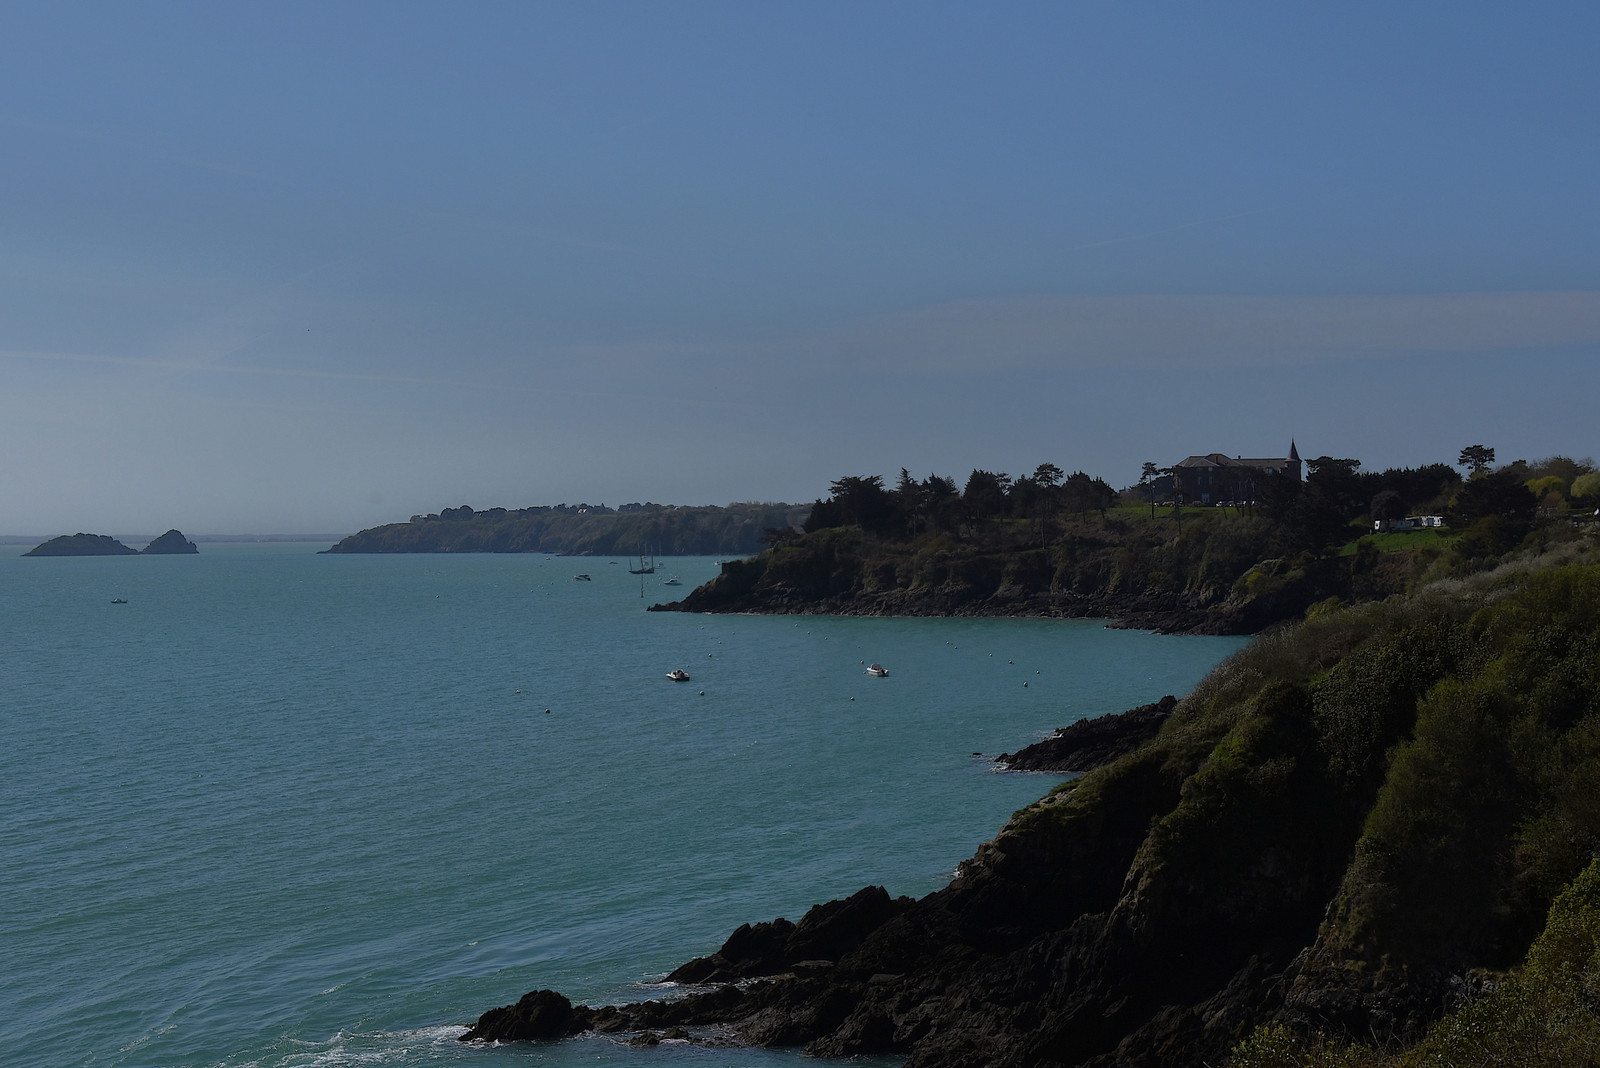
(1336, 500)
(935, 503)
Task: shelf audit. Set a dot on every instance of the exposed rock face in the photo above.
(82, 545)
(741, 588)
(1090, 743)
(171, 543)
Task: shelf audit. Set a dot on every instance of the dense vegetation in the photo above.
(1461, 735)
(1543, 1014)
(1053, 544)
(581, 530)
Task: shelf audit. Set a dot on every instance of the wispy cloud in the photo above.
(1043, 332)
(1063, 332)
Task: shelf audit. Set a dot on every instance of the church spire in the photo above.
(1294, 453)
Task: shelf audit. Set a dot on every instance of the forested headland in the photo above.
(1069, 545)
(583, 530)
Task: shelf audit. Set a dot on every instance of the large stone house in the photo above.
(1216, 478)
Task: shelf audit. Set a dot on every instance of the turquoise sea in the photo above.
(285, 809)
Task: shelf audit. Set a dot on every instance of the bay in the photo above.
(283, 808)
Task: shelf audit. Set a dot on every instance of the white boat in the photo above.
(678, 675)
(673, 581)
(878, 671)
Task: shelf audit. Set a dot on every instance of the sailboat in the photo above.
(644, 568)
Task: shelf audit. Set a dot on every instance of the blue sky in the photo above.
(311, 268)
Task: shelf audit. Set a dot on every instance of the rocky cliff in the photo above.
(1338, 830)
(1212, 579)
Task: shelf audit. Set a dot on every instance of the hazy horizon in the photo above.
(313, 262)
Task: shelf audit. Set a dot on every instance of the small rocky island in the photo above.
(82, 545)
(172, 543)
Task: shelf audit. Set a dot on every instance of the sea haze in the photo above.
(282, 809)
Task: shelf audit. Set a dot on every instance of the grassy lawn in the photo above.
(1402, 540)
(1142, 511)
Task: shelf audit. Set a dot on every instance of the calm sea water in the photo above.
(286, 809)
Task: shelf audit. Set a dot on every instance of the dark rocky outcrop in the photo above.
(1090, 743)
(171, 543)
(82, 545)
(540, 1014)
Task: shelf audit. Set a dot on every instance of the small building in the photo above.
(1410, 522)
(1217, 478)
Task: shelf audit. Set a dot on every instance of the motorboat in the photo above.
(673, 581)
(678, 675)
(878, 671)
(119, 600)
(582, 578)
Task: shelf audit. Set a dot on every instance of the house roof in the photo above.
(1217, 459)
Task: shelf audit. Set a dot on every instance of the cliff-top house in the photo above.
(1215, 478)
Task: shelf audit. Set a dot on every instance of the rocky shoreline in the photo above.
(1034, 954)
(1274, 591)
(1089, 743)
(1163, 614)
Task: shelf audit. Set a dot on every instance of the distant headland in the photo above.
(584, 530)
(172, 543)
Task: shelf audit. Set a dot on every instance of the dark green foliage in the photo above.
(1487, 804)
(825, 515)
(1369, 701)
(1084, 494)
(862, 501)
(1499, 494)
(1388, 504)
(1489, 536)
(1543, 1014)
(1461, 734)
(1477, 457)
(1424, 489)
(985, 494)
(1318, 514)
